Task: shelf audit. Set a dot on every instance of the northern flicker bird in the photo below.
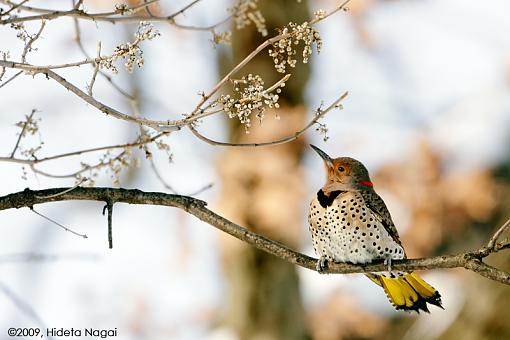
(349, 222)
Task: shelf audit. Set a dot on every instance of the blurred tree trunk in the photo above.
(262, 188)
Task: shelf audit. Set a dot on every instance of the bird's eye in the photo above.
(341, 169)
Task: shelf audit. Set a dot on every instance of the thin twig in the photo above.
(22, 133)
(55, 222)
(109, 208)
(96, 70)
(78, 4)
(33, 162)
(26, 7)
(201, 190)
(28, 46)
(277, 84)
(67, 190)
(79, 152)
(105, 75)
(492, 242)
(294, 136)
(206, 113)
(340, 7)
(85, 167)
(170, 188)
(13, 8)
(160, 125)
(112, 17)
(10, 79)
(43, 68)
(160, 178)
(249, 57)
(167, 125)
(184, 9)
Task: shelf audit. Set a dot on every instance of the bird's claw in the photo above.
(387, 261)
(322, 264)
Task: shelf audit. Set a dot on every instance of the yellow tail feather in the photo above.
(421, 287)
(408, 292)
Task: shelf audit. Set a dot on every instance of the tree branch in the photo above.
(471, 260)
(159, 125)
(111, 17)
(22, 133)
(125, 14)
(319, 113)
(80, 152)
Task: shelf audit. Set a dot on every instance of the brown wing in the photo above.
(376, 204)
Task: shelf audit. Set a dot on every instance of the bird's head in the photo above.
(344, 173)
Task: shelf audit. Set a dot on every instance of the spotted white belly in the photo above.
(349, 231)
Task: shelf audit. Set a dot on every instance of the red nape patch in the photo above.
(366, 183)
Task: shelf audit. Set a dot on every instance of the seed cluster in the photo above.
(319, 14)
(114, 164)
(21, 32)
(321, 128)
(222, 37)
(249, 96)
(284, 50)
(123, 9)
(245, 12)
(131, 52)
(29, 127)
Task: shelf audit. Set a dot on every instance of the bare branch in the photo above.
(78, 40)
(55, 222)
(28, 45)
(160, 125)
(22, 133)
(492, 242)
(319, 115)
(185, 8)
(471, 260)
(171, 188)
(338, 8)
(121, 14)
(43, 68)
(10, 79)
(96, 70)
(113, 16)
(14, 7)
(97, 104)
(85, 167)
(167, 125)
(79, 152)
(249, 57)
(65, 191)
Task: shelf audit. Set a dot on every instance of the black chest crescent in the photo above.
(327, 200)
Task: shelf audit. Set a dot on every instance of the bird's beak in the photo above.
(327, 160)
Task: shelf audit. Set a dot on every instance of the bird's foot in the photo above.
(322, 264)
(387, 261)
